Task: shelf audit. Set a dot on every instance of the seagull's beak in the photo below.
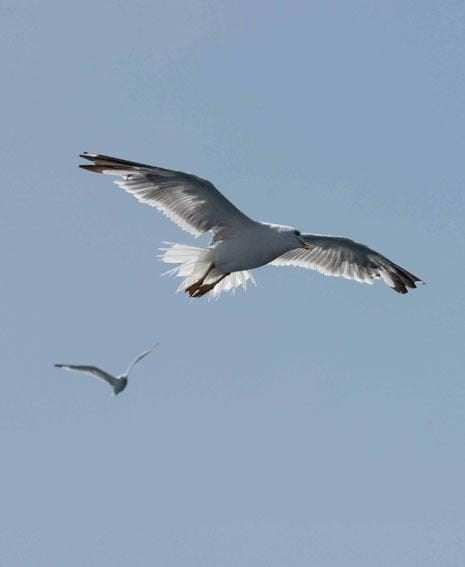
(305, 244)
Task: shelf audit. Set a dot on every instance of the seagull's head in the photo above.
(290, 236)
(120, 384)
(300, 240)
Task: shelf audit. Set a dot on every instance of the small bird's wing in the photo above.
(191, 202)
(139, 358)
(338, 256)
(91, 370)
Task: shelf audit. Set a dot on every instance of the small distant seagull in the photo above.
(118, 383)
(239, 243)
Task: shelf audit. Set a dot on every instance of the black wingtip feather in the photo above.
(403, 279)
(110, 162)
(94, 168)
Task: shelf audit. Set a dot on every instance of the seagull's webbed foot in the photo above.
(194, 288)
(202, 289)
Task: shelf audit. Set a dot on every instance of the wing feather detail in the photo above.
(342, 257)
(93, 371)
(193, 203)
(139, 358)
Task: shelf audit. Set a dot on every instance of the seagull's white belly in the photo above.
(250, 250)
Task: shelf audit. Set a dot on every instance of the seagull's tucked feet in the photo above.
(193, 289)
(201, 288)
(193, 264)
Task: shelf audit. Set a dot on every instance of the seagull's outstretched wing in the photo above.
(191, 202)
(92, 371)
(139, 358)
(338, 256)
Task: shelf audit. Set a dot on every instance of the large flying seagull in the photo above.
(239, 243)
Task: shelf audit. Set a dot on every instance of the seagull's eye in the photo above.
(297, 233)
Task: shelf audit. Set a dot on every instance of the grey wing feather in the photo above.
(342, 257)
(139, 358)
(191, 202)
(91, 371)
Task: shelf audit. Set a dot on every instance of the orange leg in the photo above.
(193, 288)
(205, 288)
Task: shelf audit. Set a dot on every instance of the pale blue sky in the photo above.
(308, 421)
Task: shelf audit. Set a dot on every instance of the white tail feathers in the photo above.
(193, 264)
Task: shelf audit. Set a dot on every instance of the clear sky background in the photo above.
(308, 421)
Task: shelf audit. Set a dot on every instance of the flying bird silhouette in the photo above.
(118, 383)
(239, 243)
